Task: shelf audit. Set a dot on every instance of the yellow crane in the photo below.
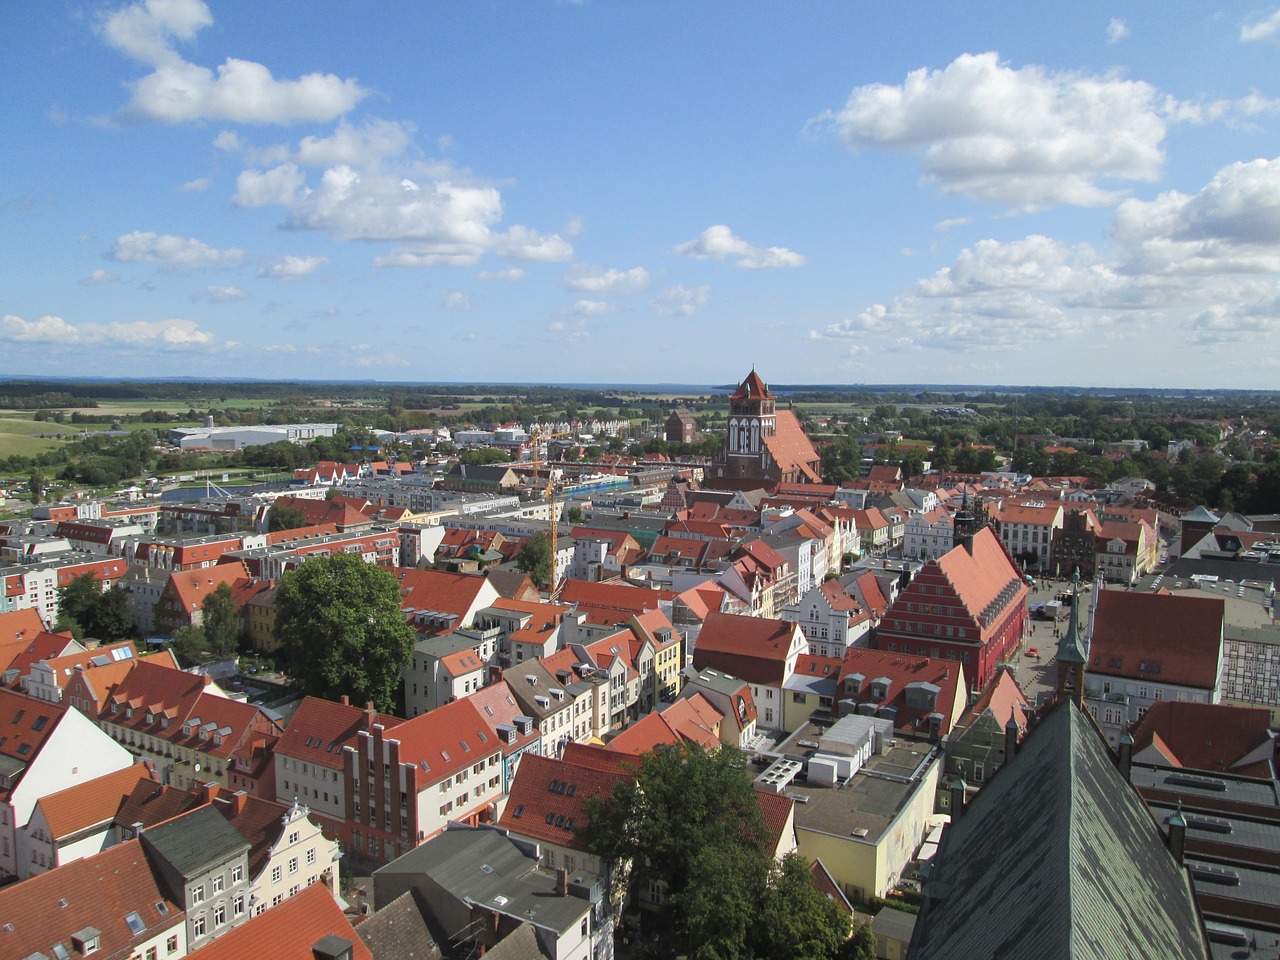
(538, 437)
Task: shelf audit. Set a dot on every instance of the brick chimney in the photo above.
(369, 715)
(562, 882)
(345, 700)
(238, 801)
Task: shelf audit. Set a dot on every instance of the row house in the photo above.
(447, 668)
(71, 824)
(47, 678)
(406, 784)
(1027, 529)
(731, 697)
(527, 629)
(602, 554)
(1074, 545)
(760, 650)
(17, 659)
(565, 705)
(928, 535)
(984, 738)
(44, 748)
(507, 719)
(923, 696)
(182, 724)
(968, 606)
(810, 691)
(830, 618)
(378, 546)
(760, 578)
(1126, 550)
(436, 601)
(198, 553)
(607, 658)
(35, 587)
(310, 763)
(104, 538)
(874, 530)
(1147, 647)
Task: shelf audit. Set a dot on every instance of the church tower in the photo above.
(1073, 655)
(751, 416)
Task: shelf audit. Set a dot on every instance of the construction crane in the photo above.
(538, 437)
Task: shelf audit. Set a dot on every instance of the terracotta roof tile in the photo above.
(287, 931)
(90, 803)
(548, 798)
(753, 648)
(319, 729)
(1167, 639)
(1213, 737)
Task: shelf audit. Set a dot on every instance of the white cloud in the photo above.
(356, 146)
(1265, 29)
(170, 334)
(577, 330)
(718, 242)
(240, 90)
(275, 187)
(953, 222)
(1203, 267)
(291, 268)
(99, 277)
(199, 185)
(171, 251)
(593, 308)
(221, 294)
(1117, 30)
(228, 142)
(1027, 137)
(680, 301)
(456, 300)
(588, 279)
(505, 274)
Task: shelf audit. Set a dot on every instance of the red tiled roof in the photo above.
(791, 448)
(775, 811)
(901, 670)
(190, 587)
(448, 739)
(287, 931)
(752, 388)
(319, 729)
(548, 798)
(151, 803)
(610, 602)
(1158, 638)
(753, 648)
(1213, 737)
(595, 757)
(91, 802)
(99, 892)
(25, 725)
(439, 590)
(978, 578)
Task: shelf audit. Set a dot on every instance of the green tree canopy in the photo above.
(190, 645)
(87, 611)
(534, 558)
(341, 631)
(283, 516)
(221, 621)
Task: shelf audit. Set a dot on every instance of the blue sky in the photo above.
(636, 192)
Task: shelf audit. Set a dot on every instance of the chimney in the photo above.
(238, 801)
(957, 798)
(369, 715)
(345, 700)
(1177, 825)
(562, 882)
(1010, 739)
(209, 791)
(1126, 754)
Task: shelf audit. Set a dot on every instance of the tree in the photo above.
(112, 616)
(574, 514)
(221, 621)
(341, 631)
(283, 516)
(76, 602)
(534, 558)
(795, 920)
(190, 645)
(35, 484)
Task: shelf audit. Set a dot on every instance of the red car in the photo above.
(1033, 652)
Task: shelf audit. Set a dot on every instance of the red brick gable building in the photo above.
(969, 605)
(764, 446)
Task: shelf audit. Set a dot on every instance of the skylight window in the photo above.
(134, 920)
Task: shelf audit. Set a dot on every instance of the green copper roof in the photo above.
(1072, 649)
(1057, 858)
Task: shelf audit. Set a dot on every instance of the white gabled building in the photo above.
(927, 536)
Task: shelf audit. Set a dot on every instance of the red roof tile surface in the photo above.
(1213, 737)
(288, 931)
(1159, 638)
(90, 803)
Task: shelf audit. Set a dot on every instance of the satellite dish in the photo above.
(197, 768)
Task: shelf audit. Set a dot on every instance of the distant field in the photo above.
(19, 423)
(13, 445)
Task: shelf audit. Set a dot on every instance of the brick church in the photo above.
(765, 446)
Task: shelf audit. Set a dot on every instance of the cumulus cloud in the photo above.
(238, 90)
(718, 243)
(456, 300)
(1265, 29)
(99, 277)
(356, 146)
(275, 187)
(588, 279)
(505, 274)
(576, 330)
(171, 251)
(1204, 266)
(199, 185)
(593, 308)
(291, 267)
(1026, 136)
(952, 222)
(1117, 30)
(220, 294)
(680, 301)
(173, 334)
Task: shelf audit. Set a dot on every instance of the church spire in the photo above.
(1073, 654)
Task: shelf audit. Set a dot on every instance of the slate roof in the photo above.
(1062, 849)
(193, 841)
(288, 931)
(399, 932)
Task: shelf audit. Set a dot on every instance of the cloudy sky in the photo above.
(615, 191)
